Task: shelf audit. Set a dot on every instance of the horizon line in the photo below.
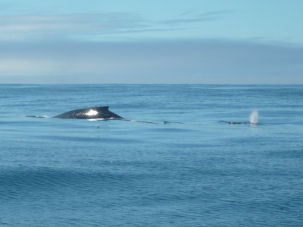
(220, 84)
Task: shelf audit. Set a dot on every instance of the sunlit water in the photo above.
(194, 171)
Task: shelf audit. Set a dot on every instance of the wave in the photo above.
(38, 116)
(20, 182)
(92, 138)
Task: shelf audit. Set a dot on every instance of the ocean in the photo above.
(190, 168)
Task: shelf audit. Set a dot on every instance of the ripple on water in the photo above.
(29, 182)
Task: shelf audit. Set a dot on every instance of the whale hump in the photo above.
(98, 112)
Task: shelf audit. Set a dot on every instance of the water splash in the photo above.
(254, 117)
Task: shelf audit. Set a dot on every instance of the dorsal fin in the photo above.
(104, 108)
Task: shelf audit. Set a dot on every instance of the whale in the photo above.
(97, 112)
(239, 122)
(253, 120)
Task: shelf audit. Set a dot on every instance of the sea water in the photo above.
(188, 169)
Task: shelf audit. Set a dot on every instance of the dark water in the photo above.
(56, 172)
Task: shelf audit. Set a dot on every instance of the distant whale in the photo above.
(98, 112)
(253, 120)
(239, 122)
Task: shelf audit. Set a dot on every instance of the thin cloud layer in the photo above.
(204, 61)
(62, 26)
(87, 26)
(187, 18)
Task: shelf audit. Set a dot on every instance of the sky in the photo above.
(139, 41)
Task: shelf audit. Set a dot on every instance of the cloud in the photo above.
(46, 26)
(191, 61)
(90, 26)
(186, 18)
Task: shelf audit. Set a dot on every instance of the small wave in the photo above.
(16, 183)
(172, 122)
(147, 122)
(172, 130)
(38, 116)
(90, 139)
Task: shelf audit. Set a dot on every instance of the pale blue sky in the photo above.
(132, 41)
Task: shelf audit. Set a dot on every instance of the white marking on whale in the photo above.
(91, 113)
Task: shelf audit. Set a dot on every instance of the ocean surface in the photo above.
(188, 169)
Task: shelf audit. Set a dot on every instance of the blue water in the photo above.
(203, 172)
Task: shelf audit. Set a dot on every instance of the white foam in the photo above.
(96, 119)
(254, 117)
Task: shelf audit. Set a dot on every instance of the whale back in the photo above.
(98, 112)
